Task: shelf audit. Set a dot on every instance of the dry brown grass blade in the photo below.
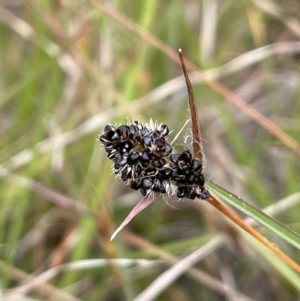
(196, 132)
(276, 10)
(44, 289)
(194, 273)
(231, 97)
(51, 195)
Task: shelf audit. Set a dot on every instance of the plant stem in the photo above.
(196, 131)
(232, 216)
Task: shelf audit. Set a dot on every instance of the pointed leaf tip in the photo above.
(141, 205)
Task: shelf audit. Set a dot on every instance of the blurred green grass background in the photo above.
(67, 69)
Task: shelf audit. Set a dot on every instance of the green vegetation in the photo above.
(70, 67)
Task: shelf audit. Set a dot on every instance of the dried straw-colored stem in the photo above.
(196, 132)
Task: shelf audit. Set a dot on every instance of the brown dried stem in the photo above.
(196, 132)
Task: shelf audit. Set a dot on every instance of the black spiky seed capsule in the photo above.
(175, 176)
(156, 155)
(204, 194)
(168, 172)
(112, 154)
(123, 130)
(112, 136)
(174, 158)
(168, 149)
(159, 186)
(164, 130)
(190, 193)
(109, 147)
(182, 167)
(137, 170)
(160, 163)
(156, 186)
(143, 191)
(196, 165)
(190, 179)
(181, 184)
(162, 188)
(145, 157)
(147, 183)
(186, 156)
(103, 138)
(126, 173)
(122, 160)
(125, 155)
(199, 180)
(180, 193)
(135, 184)
(135, 138)
(133, 158)
(145, 131)
(160, 142)
(150, 171)
(165, 173)
(123, 147)
(116, 168)
(133, 129)
(127, 146)
(109, 127)
(147, 141)
(155, 134)
(139, 125)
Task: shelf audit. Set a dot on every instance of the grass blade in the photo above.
(290, 236)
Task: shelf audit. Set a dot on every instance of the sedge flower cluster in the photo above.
(145, 160)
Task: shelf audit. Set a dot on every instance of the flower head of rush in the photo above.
(145, 160)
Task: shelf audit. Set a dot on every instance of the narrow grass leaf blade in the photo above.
(290, 236)
(282, 269)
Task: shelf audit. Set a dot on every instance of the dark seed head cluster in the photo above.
(144, 159)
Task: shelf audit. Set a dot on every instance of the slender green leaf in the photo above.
(281, 267)
(262, 218)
